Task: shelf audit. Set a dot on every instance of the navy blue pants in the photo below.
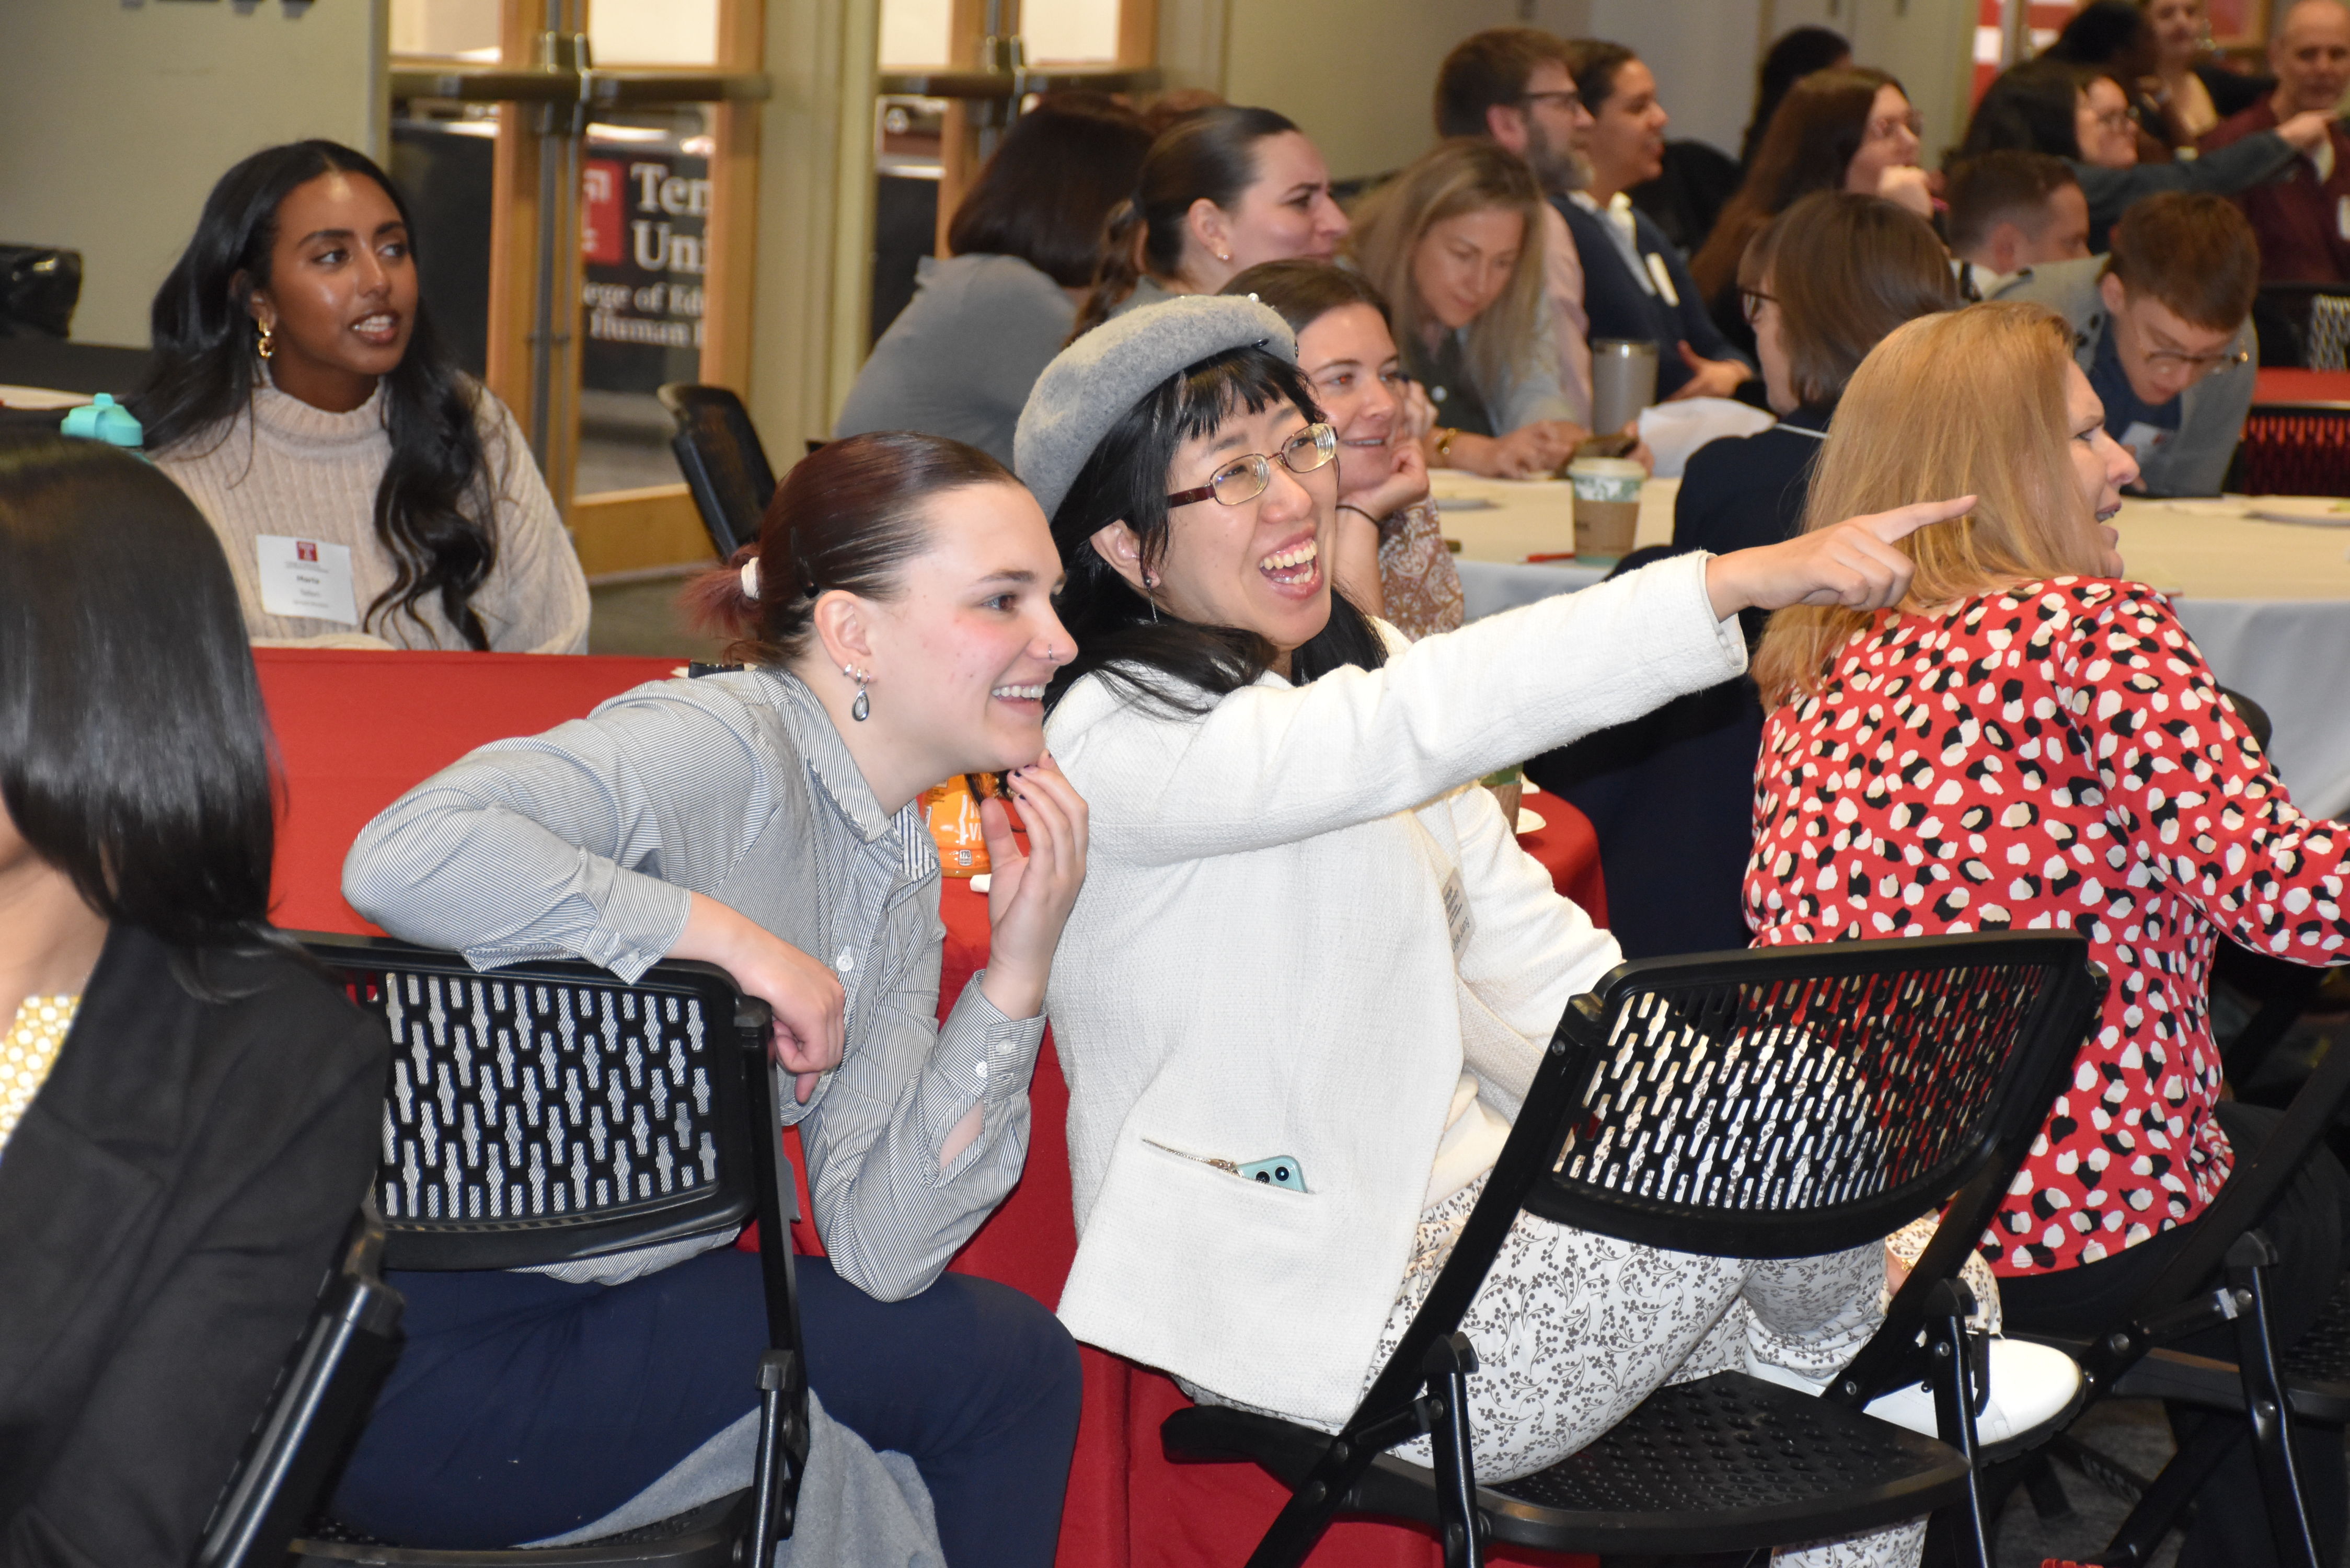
(523, 1407)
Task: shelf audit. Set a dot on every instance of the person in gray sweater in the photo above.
(2162, 328)
(986, 320)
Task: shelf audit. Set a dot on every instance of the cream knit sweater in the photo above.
(1301, 925)
(291, 469)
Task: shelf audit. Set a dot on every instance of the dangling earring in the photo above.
(862, 709)
(267, 343)
(1149, 584)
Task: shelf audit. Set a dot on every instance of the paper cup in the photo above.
(1606, 504)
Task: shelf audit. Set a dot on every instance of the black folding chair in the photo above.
(323, 1393)
(1781, 1103)
(725, 467)
(2269, 1388)
(548, 1113)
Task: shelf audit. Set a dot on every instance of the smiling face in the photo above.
(2101, 125)
(341, 297)
(1257, 566)
(1462, 263)
(1627, 140)
(1889, 141)
(1286, 212)
(2311, 56)
(961, 654)
(1350, 358)
(2101, 466)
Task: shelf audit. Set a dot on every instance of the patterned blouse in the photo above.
(1417, 577)
(2055, 755)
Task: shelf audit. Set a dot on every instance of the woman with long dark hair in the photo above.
(1023, 250)
(366, 490)
(2043, 105)
(896, 621)
(187, 1110)
(1222, 189)
(1846, 129)
(1308, 937)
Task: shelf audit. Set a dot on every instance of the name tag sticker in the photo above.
(306, 577)
(1457, 916)
(1663, 278)
(2144, 439)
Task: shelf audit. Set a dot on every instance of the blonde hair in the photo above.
(1466, 174)
(1962, 402)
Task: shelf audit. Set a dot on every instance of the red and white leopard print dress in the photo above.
(2056, 754)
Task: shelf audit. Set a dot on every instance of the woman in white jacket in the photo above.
(1307, 939)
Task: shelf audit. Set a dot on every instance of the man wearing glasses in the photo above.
(2162, 328)
(1511, 85)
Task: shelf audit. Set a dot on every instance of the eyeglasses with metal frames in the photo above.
(1244, 479)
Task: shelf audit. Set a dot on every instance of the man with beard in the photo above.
(1511, 85)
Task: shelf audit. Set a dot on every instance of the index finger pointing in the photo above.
(1904, 521)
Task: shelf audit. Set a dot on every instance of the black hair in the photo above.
(1593, 63)
(1117, 631)
(849, 515)
(135, 754)
(2030, 107)
(1209, 153)
(434, 511)
(1044, 193)
(2104, 32)
(1797, 54)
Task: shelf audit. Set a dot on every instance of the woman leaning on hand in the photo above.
(897, 616)
(2028, 738)
(300, 394)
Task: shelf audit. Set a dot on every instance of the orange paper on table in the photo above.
(953, 815)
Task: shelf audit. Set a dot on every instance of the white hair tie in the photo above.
(750, 575)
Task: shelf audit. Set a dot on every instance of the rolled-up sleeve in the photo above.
(891, 1214)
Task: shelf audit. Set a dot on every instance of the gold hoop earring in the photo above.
(266, 344)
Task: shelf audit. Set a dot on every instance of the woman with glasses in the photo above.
(1387, 553)
(2054, 754)
(1312, 973)
(1846, 129)
(1454, 243)
(1671, 794)
(2043, 106)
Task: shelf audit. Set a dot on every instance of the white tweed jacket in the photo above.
(1263, 963)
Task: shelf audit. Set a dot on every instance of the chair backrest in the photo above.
(1785, 1102)
(549, 1112)
(323, 1393)
(724, 466)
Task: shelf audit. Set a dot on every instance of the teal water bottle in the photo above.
(103, 418)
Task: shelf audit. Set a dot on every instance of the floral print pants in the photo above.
(1573, 1330)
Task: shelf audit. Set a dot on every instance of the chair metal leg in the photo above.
(2133, 1544)
(1448, 1362)
(782, 1457)
(1960, 1388)
(2265, 1405)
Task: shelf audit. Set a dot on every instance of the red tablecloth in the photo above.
(2301, 387)
(355, 730)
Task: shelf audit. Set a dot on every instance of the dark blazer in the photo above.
(168, 1205)
(1670, 794)
(1618, 305)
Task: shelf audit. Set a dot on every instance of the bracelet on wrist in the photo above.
(1364, 515)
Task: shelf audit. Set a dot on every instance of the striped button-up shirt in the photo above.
(587, 842)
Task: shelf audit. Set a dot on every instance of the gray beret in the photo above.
(1093, 381)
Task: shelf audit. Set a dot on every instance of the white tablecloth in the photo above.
(2269, 602)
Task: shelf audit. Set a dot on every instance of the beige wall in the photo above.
(116, 115)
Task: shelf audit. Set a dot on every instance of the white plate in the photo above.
(1530, 821)
(2323, 511)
